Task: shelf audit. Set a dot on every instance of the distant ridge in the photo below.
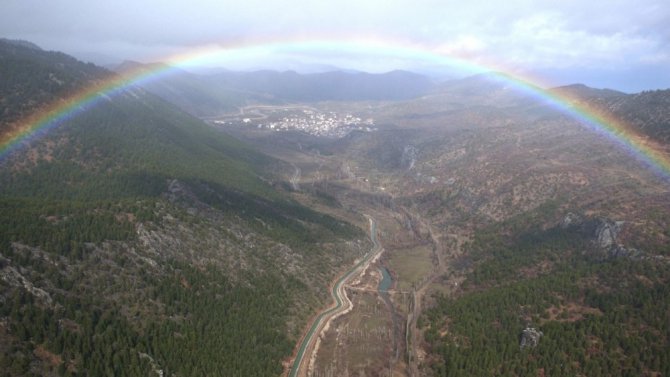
(334, 85)
(22, 43)
(131, 65)
(581, 91)
(648, 112)
(480, 89)
(32, 77)
(212, 94)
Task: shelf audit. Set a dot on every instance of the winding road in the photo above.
(342, 304)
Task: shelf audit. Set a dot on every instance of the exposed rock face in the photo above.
(408, 158)
(571, 219)
(604, 233)
(530, 337)
(619, 251)
(13, 277)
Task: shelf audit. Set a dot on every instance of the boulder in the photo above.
(571, 219)
(530, 337)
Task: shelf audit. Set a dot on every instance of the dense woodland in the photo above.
(600, 316)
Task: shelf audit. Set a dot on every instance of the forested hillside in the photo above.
(514, 220)
(600, 310)
(647, 112)
(137, 240)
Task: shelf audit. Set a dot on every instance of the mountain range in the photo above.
(213, 94)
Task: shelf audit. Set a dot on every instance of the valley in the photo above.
(436, 193)
(308, 347)
(378, 233)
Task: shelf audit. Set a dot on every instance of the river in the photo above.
(383, 288)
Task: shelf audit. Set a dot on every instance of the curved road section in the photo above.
(342, 304)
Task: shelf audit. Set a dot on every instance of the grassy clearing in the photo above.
(410, 265)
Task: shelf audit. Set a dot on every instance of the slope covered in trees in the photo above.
(599, 315)
(134, 238)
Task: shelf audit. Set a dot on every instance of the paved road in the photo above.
(342, 303)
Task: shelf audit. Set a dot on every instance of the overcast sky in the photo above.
(623, 44)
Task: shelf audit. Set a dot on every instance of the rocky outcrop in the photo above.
(530, 337)
(408, 158)
(14, 278)
(604, 234)
(571, 219)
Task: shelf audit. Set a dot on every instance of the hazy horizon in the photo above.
(621, 45)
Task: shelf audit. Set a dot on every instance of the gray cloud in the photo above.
(523, 34)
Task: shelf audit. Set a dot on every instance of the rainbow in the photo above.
(57, 113)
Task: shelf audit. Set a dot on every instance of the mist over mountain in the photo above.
(21, 43)
(212, 94)
(337, 86)
(194, 93)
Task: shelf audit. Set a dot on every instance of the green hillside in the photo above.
(135, 238)
(599, 314)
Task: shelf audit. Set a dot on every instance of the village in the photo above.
(310, 121)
